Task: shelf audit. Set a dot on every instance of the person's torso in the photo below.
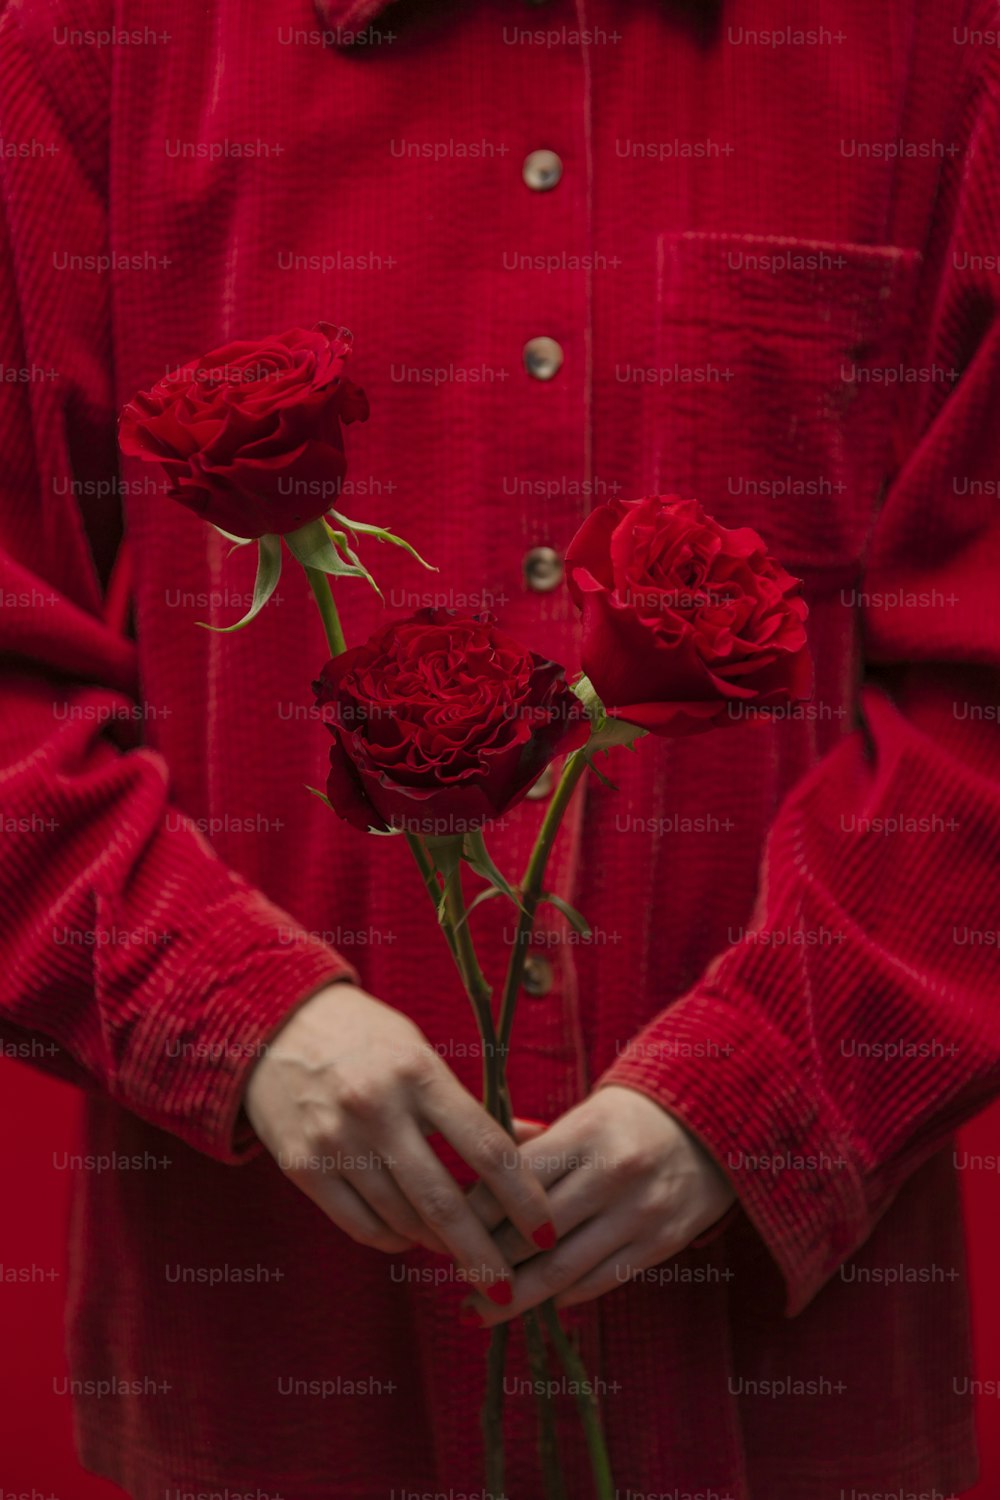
(728, 265)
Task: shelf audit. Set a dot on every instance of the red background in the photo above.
(38, 1117)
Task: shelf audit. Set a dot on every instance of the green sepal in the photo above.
(340, 542)
(312, 546)
(614, 732)
(268, 573)
(237, 541)
(381, 534)
(383, 833)
(606, 732)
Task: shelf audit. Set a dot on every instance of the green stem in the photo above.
(428, 873)
(496, 1104)
(476, 987)
(322, 589)
(496, 1042)
(548, 1441)
(492, 1417)
(586, 1402)
(531, 889)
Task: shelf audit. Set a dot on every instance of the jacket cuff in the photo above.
(223, 994)
(732, 1080)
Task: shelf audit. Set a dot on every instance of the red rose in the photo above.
(441, 722)
(249, 435)
(683, 618)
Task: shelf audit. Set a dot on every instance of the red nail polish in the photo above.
(501, 1293)
(544, 1236)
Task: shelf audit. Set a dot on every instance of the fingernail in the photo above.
(544, 1236)
(501, 1293)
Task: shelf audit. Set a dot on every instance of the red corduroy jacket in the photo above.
(770, 267)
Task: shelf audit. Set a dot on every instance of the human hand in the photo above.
(344, 1098)
(628, 1187)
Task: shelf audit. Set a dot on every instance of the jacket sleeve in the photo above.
(131, 958)
(838, 1066)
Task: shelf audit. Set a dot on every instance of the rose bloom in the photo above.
(442, 722)
(683, 617)
(250, 434)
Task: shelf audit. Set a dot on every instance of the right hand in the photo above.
(344, 1098)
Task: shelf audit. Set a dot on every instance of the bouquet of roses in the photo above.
(442, 722)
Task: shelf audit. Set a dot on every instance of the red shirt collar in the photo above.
(344, 17)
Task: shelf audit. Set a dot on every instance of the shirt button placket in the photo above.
(543, 358)
(542, 170)
(551, 453)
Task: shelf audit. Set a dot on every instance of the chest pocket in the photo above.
(788, 360)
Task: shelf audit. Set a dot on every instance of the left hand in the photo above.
(628, 1187)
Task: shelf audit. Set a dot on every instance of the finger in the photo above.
(440, 1204)
(549, 1156)
(487, 1148)
(379, 1189)
(341, 1203)
(572, 1201)
(555, 1272)
(615, 1271)
(485, 1207)
(481, 1200)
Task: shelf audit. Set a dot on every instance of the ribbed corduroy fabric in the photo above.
(771, 267)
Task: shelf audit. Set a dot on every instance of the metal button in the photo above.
(537, 979)
(543, 358)
(543, 569)
(542, 170)
(543, 786)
